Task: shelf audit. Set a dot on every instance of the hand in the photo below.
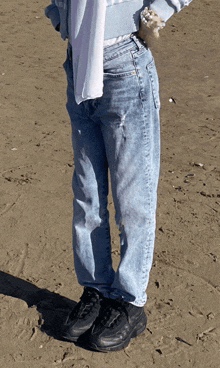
(150, 24)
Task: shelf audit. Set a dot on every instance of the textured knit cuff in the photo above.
(53, 14)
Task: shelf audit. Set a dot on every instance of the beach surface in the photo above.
(38, 286)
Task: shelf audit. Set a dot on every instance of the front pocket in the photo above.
(119, 75)
(152, 72)
(124, 69)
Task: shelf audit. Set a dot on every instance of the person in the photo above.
(113, 103)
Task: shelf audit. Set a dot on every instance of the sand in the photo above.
(38, 286)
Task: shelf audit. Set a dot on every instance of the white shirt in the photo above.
(112, 41)
(87, 40)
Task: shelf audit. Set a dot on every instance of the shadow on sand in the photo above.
(52, 307)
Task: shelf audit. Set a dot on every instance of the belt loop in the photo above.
(136, 40)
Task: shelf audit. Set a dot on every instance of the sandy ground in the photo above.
(37, 281)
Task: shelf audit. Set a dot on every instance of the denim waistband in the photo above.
(124, 46)
(109, 50)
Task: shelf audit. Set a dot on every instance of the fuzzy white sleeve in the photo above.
(166, 8)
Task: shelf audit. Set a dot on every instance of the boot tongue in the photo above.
(113, 309)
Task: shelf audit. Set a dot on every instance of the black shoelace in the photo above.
(84, 307)
(112, 311)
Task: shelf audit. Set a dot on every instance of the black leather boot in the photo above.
(83, 315)
(117, 323)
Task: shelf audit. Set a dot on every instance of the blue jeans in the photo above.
(119, 132)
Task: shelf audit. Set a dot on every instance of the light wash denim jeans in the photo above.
(119, 131)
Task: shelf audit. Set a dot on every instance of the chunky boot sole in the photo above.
(71, 338)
